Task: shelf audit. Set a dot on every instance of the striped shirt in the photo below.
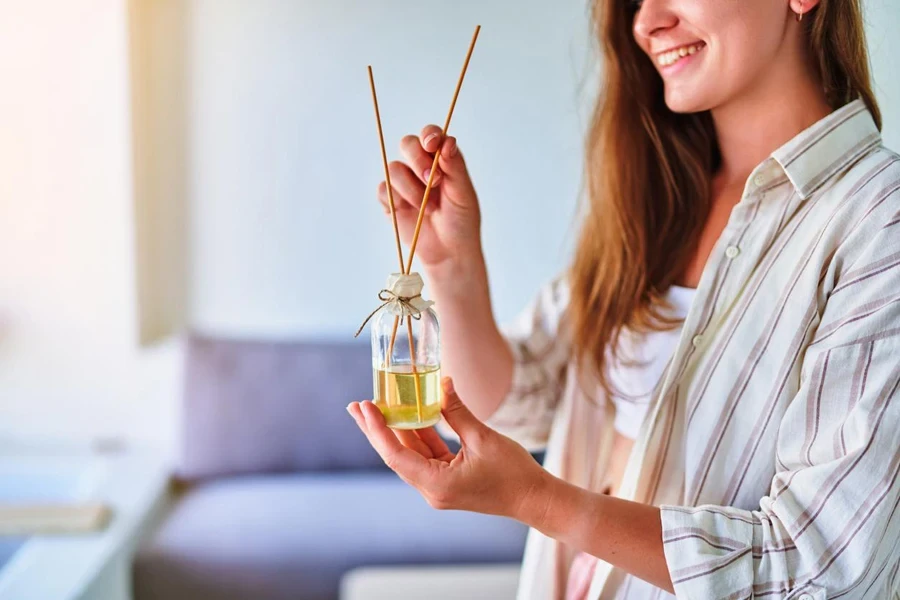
(772, 445)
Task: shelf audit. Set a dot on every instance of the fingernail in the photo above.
(428, 139)
(453, 149)
(427, 174)
(448, 385)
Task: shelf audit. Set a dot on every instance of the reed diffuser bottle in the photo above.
(406, 353)
(406, 362)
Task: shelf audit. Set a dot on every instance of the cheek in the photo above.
(741, 31)
(749, 36)
(745, 56)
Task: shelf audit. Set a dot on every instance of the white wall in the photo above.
(285, 158)
(69, 361)
(882, 24)
(239, 177)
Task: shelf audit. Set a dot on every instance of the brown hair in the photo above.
(648, 174)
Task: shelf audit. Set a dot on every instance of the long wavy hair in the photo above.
(648, 173)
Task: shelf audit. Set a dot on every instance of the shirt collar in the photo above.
(822, 151)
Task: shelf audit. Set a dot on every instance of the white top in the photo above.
(641, 364)
(771, 444)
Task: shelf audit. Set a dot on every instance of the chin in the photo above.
(687, 102)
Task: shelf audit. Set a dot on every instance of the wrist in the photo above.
(458, 276)
(533, 506)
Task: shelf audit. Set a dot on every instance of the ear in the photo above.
(802, 7)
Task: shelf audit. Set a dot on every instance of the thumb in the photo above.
(457, 185)
(457, 414)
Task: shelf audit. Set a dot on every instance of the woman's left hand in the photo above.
(490, 474)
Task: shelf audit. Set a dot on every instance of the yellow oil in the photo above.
(395, 395)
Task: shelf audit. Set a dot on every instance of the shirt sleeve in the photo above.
(540, 347)
(829, 526)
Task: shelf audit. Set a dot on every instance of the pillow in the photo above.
(262, 406)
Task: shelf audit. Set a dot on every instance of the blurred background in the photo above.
(212, 164)
(209, 166)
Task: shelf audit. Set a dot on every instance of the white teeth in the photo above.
(673, 56)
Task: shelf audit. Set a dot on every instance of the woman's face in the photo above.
(710, 51)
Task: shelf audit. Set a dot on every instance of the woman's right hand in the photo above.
(452, 224)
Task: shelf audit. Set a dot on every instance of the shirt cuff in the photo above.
(709, 551)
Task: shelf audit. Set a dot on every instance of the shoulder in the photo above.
(546, 311)
(873, 180)
(865, 199)
(858, 218)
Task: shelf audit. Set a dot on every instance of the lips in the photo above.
(670, 57)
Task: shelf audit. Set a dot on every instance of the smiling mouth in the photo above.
(671, 57)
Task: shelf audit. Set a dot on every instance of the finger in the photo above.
(453, 165)
(408, 464)
(418, 159)
(405, 207)
(430, 138)
(356, 413)
(409, 439)
(401, 204)
(406, 185)
(458, 416)
(451, 158)
(436, 444)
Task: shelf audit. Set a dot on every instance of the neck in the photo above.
(759, 121)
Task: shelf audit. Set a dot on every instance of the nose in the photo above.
(654, 16)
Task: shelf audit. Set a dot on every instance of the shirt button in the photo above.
(759, 179)
(732, 251)
(696, 340)
(805, 597)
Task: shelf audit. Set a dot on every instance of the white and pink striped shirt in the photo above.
(773, 442)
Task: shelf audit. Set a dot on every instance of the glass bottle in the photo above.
(406, 362)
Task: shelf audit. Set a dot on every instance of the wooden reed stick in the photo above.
(415, 370)
(387, 171)
(390, 193)
(437, 155)
(412, 358)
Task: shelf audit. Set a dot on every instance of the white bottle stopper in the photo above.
(401, 297)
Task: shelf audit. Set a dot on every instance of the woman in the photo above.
(715, 377)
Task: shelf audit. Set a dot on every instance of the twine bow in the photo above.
(388, 297)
